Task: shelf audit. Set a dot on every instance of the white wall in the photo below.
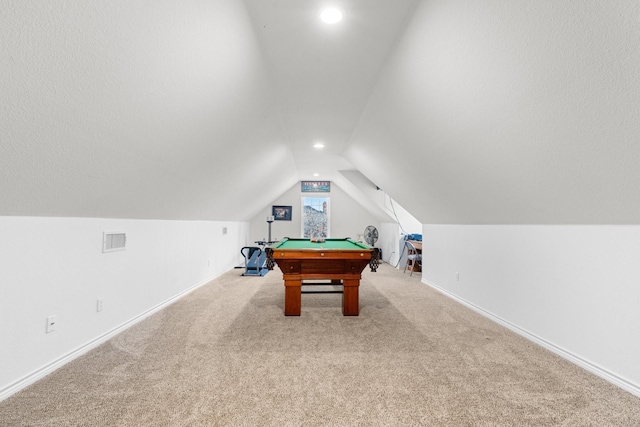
(55, 266)
(408, 224)
(573, 289)
(347, 217)
(389, 237)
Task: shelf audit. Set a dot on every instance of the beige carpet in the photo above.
(226, 355)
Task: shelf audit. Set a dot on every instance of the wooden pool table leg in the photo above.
(350, 297)
(292, 297)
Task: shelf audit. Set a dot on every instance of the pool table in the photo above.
(339, 260)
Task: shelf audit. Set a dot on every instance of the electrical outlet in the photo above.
(52, 323)
(99, 304)
(457, 277)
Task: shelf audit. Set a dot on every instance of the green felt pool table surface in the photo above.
(328, 244)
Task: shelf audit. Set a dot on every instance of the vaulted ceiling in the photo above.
(492, 111)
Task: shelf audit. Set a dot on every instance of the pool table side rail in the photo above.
(370, 255)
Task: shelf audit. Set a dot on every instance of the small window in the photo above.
(315, 217)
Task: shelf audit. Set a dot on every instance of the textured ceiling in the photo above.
(137, 109)
(323, 73)
(510, 112)
(492, 111)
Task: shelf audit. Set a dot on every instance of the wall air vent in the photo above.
(114, 241)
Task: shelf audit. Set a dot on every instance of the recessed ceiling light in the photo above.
(316, 174)
(331, 16)
(318, 145)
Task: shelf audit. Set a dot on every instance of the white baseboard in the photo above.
(573, 358)
(38, 374)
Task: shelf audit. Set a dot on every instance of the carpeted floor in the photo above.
(225, 355)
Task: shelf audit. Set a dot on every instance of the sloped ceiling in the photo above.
(137, 109)
(509, 112)
(324, 74)
(492, 111)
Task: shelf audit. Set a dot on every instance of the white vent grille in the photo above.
(114, 241)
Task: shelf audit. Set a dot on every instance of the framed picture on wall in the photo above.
(281, 213)
(316, 186)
